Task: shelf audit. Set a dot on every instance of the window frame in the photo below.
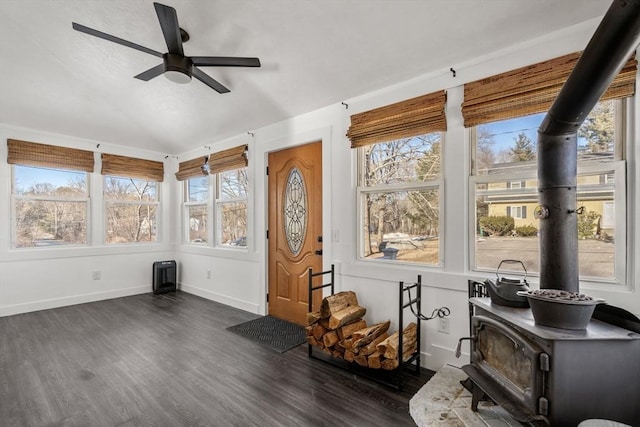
(186, 204)
(106, 201)
(616, 166)
(429, 185)
(15, 197)
(219, 202)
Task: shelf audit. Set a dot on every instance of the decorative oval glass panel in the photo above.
(295, 210)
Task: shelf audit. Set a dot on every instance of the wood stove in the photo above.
(556, 376)
(560, 376)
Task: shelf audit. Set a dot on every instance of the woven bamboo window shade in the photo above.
(48, 156)
(124, 166)
(531, 90)
(191, 168)
(233, 158)
(416, 116)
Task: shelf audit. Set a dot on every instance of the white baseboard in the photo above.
(223, 299)
(10, 310)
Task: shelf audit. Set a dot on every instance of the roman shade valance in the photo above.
(124, 166)
(233, 158)
(191, 168)
(48, 156)
(416, 116)
(531, 90)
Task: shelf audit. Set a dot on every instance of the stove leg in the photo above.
(477, 394)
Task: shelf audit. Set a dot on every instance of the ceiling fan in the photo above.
(175, 65)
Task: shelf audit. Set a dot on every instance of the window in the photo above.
(504, 182)
(196, 203)
(399, 185)
(131, 189)
(399, 198)
(231, 207)
(50, 197)
(50, 207)
(131, 210)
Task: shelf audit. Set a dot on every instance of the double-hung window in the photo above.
(504, 171)
(231, 207)
(196, 181)
(131, 196)
(228, 169)
(400, 180)
(50, 197)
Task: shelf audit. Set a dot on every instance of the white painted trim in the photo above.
(10, 310)
(223, 299)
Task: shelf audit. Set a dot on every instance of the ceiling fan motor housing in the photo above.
(177, 68)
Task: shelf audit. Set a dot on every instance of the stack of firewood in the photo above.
(340, 331)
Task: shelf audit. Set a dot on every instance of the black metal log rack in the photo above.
(390, 378)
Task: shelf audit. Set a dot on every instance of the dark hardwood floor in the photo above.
(167, 360)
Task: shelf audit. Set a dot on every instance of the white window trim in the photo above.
(362, 190)
(15, 197)
(107, 202)
(185, 215)
(217, 204)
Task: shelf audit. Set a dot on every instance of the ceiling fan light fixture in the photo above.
(177, 76)
(177, 68)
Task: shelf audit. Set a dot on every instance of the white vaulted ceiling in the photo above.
(313, 54)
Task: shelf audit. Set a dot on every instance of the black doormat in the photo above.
(275, 333)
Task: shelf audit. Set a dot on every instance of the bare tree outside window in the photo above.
(50, 207)
(131, 210)
(231, 206)
(400, 199)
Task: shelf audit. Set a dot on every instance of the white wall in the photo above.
(239, 278)
(36, 279)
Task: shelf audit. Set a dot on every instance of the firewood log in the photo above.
(408, 342)
(319, 331)
(365, 336)
(390, 345)
(330, 338)
(337, 302)
(347, 344)
(371, 347)
(374, 360)
(345, 316)
(335, 353)
(313, 317)
(390, 364)
(347, 330)
(309, 330)
(361, 360)
(348, 355)
(311, 340)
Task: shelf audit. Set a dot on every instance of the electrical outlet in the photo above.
(96, 275)
(443, 325)
(208, 274)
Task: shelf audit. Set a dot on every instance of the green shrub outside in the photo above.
(527, 230)
(497, 225)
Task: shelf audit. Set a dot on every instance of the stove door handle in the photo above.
(459, 346)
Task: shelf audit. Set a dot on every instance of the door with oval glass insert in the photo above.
(295, 229)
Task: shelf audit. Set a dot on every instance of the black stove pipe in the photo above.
(612, 44)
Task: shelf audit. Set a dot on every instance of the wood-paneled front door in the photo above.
(295, 229)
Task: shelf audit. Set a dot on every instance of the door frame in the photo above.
(324, 136)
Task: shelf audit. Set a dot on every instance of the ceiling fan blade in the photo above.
(114, 39)
(170, 28)
(151, 73)
(225, 61)
(206, 79)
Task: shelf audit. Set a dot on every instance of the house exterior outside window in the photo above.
(504, 155)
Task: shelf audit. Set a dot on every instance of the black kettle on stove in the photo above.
(504, 291)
